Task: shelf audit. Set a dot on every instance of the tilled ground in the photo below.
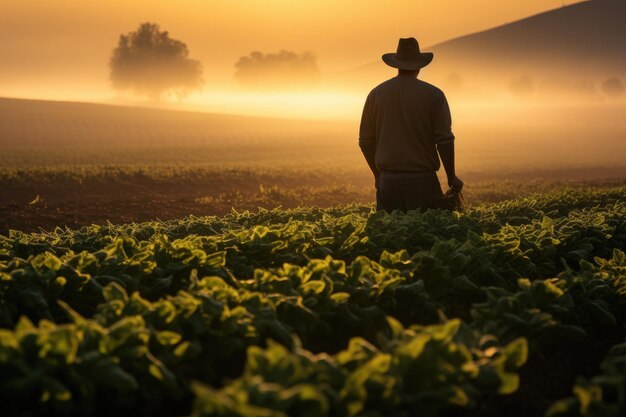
(44, 200)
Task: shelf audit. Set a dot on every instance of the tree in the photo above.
(613, 87)
(284, 69)
(151, 63)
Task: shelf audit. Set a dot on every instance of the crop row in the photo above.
(140, 355)
(435, 248)
(484, 218)
(336, 312)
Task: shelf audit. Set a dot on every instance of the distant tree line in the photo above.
(286, 68)
(149, 62)
(612, 88)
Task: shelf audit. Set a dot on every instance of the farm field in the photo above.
(76, 164)
(46, 198)
(160, 263)
(513, 308)
(190, 228)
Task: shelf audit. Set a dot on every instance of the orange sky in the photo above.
(61, 47)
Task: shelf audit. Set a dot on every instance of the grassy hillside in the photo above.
(53, 134)
(35, 123)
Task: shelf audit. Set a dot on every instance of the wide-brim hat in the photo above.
(408, 56)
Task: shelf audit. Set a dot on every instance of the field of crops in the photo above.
(516, 308)
(76, 164)
(44, 198)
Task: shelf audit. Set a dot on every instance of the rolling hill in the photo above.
(27, 124)
(573, 47)
(584, 37)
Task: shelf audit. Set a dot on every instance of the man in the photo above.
(405, 128)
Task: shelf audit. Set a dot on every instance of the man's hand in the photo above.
(455, 184)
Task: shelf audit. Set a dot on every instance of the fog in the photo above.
(60, 50)
(524, 94)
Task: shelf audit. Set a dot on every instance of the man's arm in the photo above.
(444, 138)
(446, 153)
(370, 158)
(367, 137)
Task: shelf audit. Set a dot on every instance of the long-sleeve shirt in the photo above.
(403, 121)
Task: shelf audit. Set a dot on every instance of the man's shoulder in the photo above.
(436, 91)
(382, 85)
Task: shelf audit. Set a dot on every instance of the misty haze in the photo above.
(313, 208)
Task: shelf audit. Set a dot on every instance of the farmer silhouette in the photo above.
(405, 128)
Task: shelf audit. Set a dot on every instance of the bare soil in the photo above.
(45, 200)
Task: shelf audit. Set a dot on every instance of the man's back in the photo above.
(405, 129)
(405, 118)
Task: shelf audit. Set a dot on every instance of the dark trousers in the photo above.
(408, 191)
